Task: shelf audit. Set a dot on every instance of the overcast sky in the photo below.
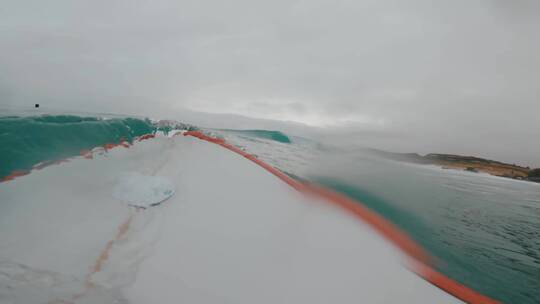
(455, 76)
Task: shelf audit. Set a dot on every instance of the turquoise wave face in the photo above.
(264, 134)
(27, 141)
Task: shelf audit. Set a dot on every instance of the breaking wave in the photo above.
(27, 141)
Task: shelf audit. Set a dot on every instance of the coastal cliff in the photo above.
(468, 163)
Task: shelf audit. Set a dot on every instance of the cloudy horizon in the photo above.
(455, 76)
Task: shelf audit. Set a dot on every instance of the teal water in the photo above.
(263, 134)
(27, 141)
(484, 230)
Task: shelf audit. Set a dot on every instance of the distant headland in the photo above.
(467, 163)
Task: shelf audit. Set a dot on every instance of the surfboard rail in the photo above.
(420, 260)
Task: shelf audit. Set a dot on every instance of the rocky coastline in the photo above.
(467, 163)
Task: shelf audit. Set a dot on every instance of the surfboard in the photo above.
(231, 230)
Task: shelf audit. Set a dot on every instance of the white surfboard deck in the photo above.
(231, 233)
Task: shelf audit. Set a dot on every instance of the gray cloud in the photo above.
(455, 76)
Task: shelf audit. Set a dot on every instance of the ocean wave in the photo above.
(263, 134)
(27, 141)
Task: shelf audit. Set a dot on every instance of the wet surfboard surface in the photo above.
(227, 232)
(142, 191)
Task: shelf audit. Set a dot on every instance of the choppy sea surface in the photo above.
(484, 230)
